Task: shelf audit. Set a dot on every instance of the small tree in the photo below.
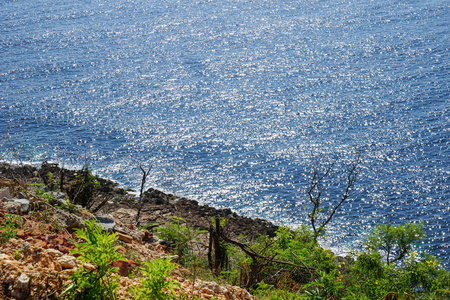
(81, 190)
(396, 240)
(317, 218)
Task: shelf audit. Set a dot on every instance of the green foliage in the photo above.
(44, 195)
(18, 254)
(179, 234)
(298, 246)
(395, 240)
(154, 285)
(98, 249)
(81, 190)
(327, 286)
(268, 292)
(8, 228)
(418, 274)
(51, 181)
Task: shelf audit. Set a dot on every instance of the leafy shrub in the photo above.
(179, 235)
(395, 240)
(154, 285)
(415, 274)
(327, 286)
(9, 227)
(98, 249)
(81, 190)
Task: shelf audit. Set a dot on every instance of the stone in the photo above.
(22, 282)
(125, 237)
(124, 266)
(18, 294)
(135, 234)
(54, 253)
(89, 266)
(122, 250)
(68, 220)
(12, 207)
(67, 261)
(24, 205)
(26, 246)
(4, 193)
(22, 195)
(106, 222)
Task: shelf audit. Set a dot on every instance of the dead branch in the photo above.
(144, 177)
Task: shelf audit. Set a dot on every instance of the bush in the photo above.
(81, 190)
(154, 285)
(98, 249)
(8, 228)
(179, 235)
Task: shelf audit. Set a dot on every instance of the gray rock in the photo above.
(59, 196)
(24, 205)
(68, 220)
(25, 246)
(55, 202)
(107, 223)
(12, 207)
(22, 282)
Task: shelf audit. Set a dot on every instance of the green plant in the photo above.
(415, 275)
(8, 228)
(395, 240)
(179, 234)
(101, 282)
(81, 190)
(327, 286)
(18, 254)
(154, 283)
(44, 195)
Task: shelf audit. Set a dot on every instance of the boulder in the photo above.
(106, 222)
(68, 220)
(24, 205)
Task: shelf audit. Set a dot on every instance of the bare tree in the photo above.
(316, 187)
(144, 178)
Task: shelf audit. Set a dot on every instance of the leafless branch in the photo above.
(144, 178)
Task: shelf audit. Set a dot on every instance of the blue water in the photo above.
(230, 100)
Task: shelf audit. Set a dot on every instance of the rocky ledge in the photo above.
(37, 264)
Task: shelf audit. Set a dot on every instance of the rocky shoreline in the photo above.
(37, 263)
(158, 207)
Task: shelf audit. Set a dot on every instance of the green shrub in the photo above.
(81, 190)
(154, 285)
(99, 250)
(395, 240)
(327, 286)
(9, 227)
(179, 235)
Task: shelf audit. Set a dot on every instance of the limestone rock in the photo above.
(22, 282)
(67, 261)
(68, 220)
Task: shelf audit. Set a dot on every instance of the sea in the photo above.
(236, 104)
